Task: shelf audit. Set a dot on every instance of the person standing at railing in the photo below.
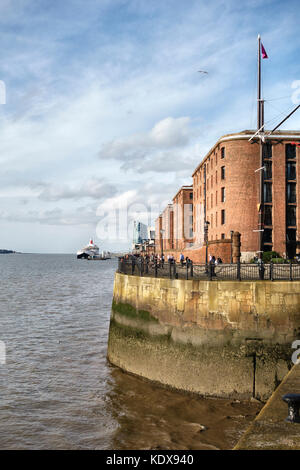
(181, 259)
(162, 260)
(212, 263)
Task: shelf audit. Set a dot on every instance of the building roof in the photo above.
(246, 134)
(183, 188)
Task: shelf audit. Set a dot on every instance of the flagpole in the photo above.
(259, 124)
(260, 127)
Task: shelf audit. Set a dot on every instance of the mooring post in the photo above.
(170, 270)
(291, 271)
(187, 269)
(155, 267)
(192, 272)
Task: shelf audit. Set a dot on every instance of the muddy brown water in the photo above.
(57, 390)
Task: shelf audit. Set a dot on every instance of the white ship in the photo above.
(89, 252)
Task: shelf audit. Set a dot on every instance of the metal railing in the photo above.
(239, 271)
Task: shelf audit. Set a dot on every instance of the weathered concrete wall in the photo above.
(224, 338)
(270, 430)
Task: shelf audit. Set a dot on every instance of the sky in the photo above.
(105, 112)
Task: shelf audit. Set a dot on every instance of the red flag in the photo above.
(263, 52)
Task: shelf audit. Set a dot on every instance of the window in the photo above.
(291, 192)
(267, 235)
(268, 192)
(223, 236)
(222, 172)
(291, 171)
(216, 219)
(223, 152)
(211, 200)
(290, 152)
(267, 150)
(191, 195)
(291, 216)
(223, 216)
(268, 215)
(216, 197)
(216, 177)
(268, 170)
(223, 195)
(291, 235)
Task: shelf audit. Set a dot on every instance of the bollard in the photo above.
(170, 270)
(155, 267)
(293, 402)
(187, 270)
(291, 272)
(192, 272)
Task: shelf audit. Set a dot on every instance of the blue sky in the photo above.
(104, 104)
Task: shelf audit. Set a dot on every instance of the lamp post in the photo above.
(161, 239)
(206, 224)
(231, 238)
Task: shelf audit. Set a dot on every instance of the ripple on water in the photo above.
(57, 390)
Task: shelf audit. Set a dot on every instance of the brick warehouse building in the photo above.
(174, 226)
(183, 218)
(229, 174)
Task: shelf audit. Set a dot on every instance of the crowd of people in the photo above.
(160, 259)
(215, 261)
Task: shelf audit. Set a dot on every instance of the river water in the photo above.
(57, 390)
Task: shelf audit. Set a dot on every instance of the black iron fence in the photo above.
(239, 271)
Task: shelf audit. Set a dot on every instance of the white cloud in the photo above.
(92, 188)
(167, 133)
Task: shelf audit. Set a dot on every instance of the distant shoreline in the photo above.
(10, 252)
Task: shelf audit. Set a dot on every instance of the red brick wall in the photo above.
(181, 203)
(241, 185)
(218, 248)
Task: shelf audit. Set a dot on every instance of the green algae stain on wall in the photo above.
(129, 311)
(202, 336)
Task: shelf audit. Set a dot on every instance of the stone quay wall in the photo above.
(221, 338)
